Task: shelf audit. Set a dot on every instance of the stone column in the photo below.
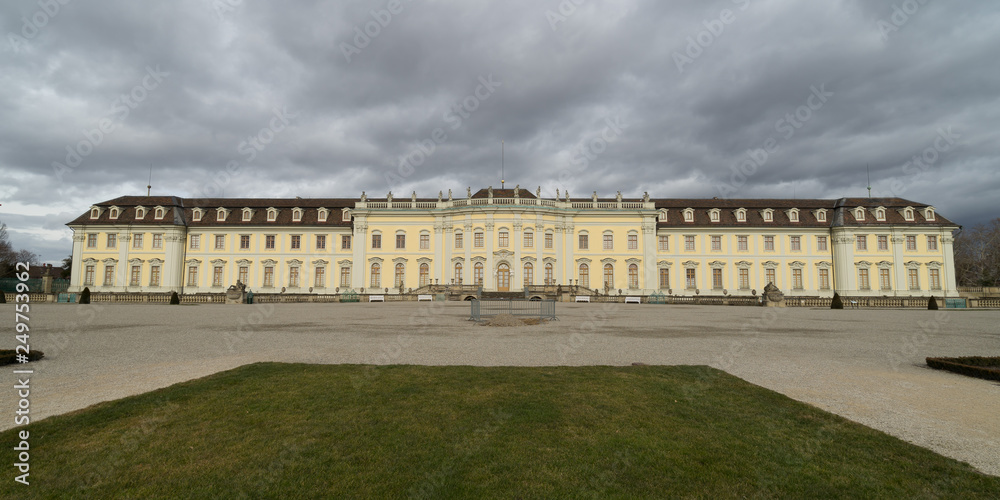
(517, 267)
(949, 280)
(843, 262)
(76, 272)
(489, 274)
(360, 244)
(649, 277)
(900, 287)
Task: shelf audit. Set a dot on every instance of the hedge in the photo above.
(9, 356)
(973, 366)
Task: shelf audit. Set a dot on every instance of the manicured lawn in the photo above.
(322, 431)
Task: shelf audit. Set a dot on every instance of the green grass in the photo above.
(321, 431)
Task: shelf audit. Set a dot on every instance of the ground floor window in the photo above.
(136, 275)
(345, 277)
(192, 276)
(269, 276)
(478, 273)
(217, 276)
(293, 277)
(425, 273)
(913, 279)
(400, 275)
(797, 279)
(376, 281)
(154, 276)
(585, 275)
(319, 280)
(863, 279)
(883, 278)
(769, 276)
(458, 273)
(88, 276)
(824, 279)
(716, 278)
(935, 279)
(609, 276)
(690, 280)
(548, 274)
(744, 279)
(244, 271)
(633, 276)
(529, 274)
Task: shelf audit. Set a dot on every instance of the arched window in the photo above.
(609, 276)
(458, 273)
(633, 276)
(585, 275)
(425, 273)
(158, 214)
(400, 274)
(478, 270)
(114, 213)
(376, 275)
(549, 280)
(529, 274)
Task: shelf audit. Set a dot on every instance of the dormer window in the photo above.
(140, 212)
(95, 213)
(908, 214)
(859, 214)
(821, 215)
(345, 215)
(768, 215)
(272, 214)
(113, 213)
(713, 215)
(247, 214)
(688, 215)
(793, 215)
(221, 214)
(662, 216)
(296, 215)
(929, 213)
(196, 215)
(321, 214)
(880, 214)
(158, 213)
(741, 215)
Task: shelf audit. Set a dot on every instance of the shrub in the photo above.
(3, 298)
(973, 366)
(9, 356)
(836, 303)
(174, 298)
(932, 304)
(85, 296)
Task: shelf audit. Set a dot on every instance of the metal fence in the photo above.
(35, 285)
(488, 308)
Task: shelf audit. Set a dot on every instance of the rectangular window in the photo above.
(769, 276)
(154, 275)
(744, 279)
(478, 239)
(796, 243)
(192, 276)
(717, 278)
(345, 242)
(109, 275)
(269, 276)
(296, 242)
(548, 240)
(88, 276)
(883, 242)
(244, 242)
(863, 280)
(244, 274)
(345, 277)
(690, 279)
(376, 241)
(400, 241)
(797, 279)
(583, 242)
(320, 242)
(609, 242)
(633, 242)
(824, 279)
(741, 243)
(689, 243)
(913, 278)
(716, 243)
(529, 239)
(663, 243)
(911, 242)
(157, 241)
(458, 241)
(425, 242)
(932, 243)
(217, 276)
(861, 242)
(664, 278)
(769, 243)
(935, 279)
(195, 241)
(136, 275)
(91, 240)
(112, 240)
(821, 243)
(504, 239)
(220, 242)
(883, 278)
(319, 281)
(293, 277)
(137, 241)
(269, 242)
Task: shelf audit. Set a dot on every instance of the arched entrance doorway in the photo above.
(503, 278)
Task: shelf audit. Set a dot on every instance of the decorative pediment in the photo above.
(110, 261)
(664, 263)
(823, 264)
(528, 258)
(219, 262)
(608, 260)
(192, 261)
(863, 263)
(90, 261)
(344, 262)
(293, 262)
(269, 262)
(633, 260)
(690, 263)
(399, 260)
(504, 254)
(770, 264)
(744, 264)
(135, 261)
(549, 260)
(424, 260)
(244, 262)
(912, 264)
(583, 260)
(717, 264)
(796, 264)
(478, 259)
(457, 259)
(935, 264)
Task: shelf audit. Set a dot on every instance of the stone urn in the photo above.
(772, 297)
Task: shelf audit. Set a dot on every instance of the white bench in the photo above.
(633, 300)
(376, 298)
(854, 304)
(425, 297)
(583, 298)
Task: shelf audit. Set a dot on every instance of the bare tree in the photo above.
(977, 255)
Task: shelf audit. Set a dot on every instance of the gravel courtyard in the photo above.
(865, 365)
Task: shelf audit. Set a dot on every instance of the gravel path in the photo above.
(864, 365)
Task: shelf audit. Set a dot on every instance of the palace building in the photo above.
(506, 239)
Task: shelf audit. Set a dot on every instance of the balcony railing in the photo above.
(534, 202)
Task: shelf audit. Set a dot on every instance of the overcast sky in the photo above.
(728, 98)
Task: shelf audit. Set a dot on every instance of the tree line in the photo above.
(9, 256)
(977, 255)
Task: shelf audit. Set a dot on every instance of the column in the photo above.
(76, 274)
(900, 286)
(489, 274)
(949, 280)
(650, 281)
(517, 267)
(360, 243)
